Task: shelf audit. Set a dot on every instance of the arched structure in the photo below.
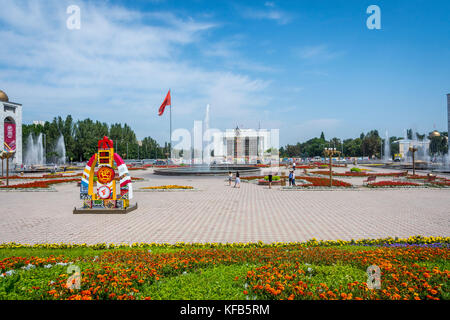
(11, 128)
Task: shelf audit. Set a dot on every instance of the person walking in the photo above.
(230, 177)
(293, 178)
(290, 178)
(293, 165)
(270, 180)
(237, 181)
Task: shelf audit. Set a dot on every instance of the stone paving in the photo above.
(219, 213)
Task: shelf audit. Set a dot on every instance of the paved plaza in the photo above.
(215, 212)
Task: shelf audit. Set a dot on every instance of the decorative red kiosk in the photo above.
(109, 195)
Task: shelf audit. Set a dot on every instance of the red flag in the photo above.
(165, 103)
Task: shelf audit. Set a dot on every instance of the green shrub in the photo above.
(354, 169)
(274, 178)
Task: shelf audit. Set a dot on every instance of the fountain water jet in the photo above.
(387, 149)
(60, 150)
(206, 149)
(34, 155)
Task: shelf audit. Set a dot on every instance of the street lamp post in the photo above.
(413, 150)
(167, 155)
(330, 152)
(6, 155)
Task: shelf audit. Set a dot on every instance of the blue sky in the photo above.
(300, 66)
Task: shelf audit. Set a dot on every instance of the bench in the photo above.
(370, 179)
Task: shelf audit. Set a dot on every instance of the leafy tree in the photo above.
(81, 139)
(409, 134)
(322, 136)
(371, 144)
(438, 145)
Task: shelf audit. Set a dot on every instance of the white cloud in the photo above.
(319, 52)
(269, 13)
(116, 68)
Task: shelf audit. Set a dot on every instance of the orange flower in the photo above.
(245, 292)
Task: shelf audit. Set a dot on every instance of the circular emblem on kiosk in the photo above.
(104, 192)
(105, 175)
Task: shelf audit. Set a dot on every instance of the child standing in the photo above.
(290, 178)
(237, 181)
(230, 177)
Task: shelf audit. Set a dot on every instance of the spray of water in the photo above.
(60, 150)
(387, 148)
(206, 150)
(34, 154)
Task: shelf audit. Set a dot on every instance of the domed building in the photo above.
(11, 128)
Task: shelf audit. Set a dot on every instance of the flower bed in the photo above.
(52, 175)
(418, 177)
(167, 187)
(392, 184)
(322, 182)
(318, 164)
(359, 174)
(252, 177)
(440, 183)
(38, 184)
(264, 182)
(333, 270)
(46, 176)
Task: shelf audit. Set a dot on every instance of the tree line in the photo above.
(368, 144)
(81, 139)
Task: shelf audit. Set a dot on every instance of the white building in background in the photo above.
(38, 122)
(242, 146)
(11, 128)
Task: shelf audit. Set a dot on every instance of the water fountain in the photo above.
(60, 150)
(387, 149)
(422, 155)
(206, 168)
(206, 149)
(34, 154)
